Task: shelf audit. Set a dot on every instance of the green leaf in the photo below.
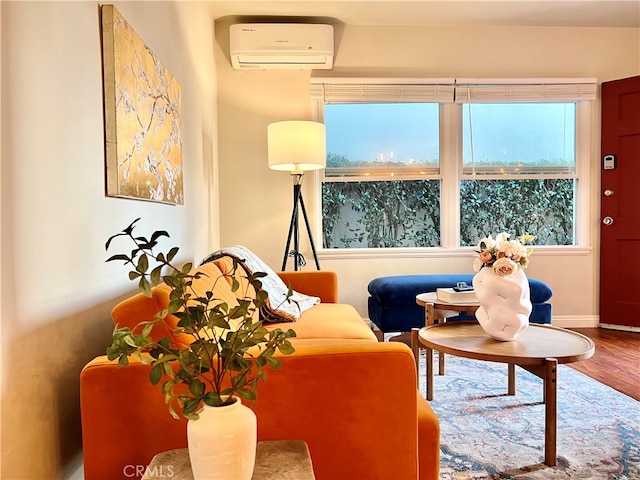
(143, 263)
(172, 253)
(172, 281)
(119, 256)
(146, 330)
(174, 306)
(126, 231)
(274, 363)
(157, 234)
(213, 399)
(166, 367)
(169, 357)
(191, 405)
(155, 374)
(189, 416)
(291, 333)
(197, 387)
(246, 394)
(156, 275)
(145, 286)
(131, 226)
(286, 348)
(130, 340)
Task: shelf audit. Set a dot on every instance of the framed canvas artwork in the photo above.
(143, 123)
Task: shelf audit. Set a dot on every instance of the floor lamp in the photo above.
(296, 147)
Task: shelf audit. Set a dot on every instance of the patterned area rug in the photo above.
(487, 434)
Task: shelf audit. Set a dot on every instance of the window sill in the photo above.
(438, 252)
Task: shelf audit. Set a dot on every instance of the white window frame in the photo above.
(367, 90)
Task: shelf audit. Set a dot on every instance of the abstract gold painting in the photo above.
(143, 123)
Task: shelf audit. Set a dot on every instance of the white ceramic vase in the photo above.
(505, 303)
(222, 442)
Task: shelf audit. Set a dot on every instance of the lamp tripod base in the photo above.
(294, 230)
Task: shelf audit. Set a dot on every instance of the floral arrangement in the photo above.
(504, 256)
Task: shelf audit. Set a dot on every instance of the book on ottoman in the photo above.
(449, 295)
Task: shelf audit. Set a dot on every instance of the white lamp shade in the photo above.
(296, 146)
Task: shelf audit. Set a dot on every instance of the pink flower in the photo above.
(485, 257)
(504, 266)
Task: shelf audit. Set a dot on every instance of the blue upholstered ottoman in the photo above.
(392, 302)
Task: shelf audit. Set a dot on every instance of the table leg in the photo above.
(550, 406)
(430, 319)
(512, 379)
(429, 353)
(441, 364)
(429, 314)
(415, 348)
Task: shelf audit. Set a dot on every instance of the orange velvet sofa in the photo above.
(353, 400)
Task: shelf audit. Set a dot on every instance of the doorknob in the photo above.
(607, 220)
(608, 193)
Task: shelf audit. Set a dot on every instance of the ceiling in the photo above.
(574, 13)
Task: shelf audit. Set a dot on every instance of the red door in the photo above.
(620, 205)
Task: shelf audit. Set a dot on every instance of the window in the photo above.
(519, 171)
(376, 192)
(443, 163)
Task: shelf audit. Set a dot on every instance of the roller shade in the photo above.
(448, 90)
(524, 90)
(392, 90)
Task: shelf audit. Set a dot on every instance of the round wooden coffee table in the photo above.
(538, 350)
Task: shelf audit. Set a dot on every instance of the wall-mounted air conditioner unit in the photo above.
(281, 46)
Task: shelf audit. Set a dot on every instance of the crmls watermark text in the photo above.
(138, 471)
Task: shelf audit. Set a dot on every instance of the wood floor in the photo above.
(616, 362)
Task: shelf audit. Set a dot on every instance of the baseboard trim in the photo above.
(576, 321)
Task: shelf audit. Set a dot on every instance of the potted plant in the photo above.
(224, 362)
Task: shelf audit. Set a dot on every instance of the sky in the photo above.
(403, 131)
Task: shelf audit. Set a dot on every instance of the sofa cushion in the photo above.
(329, 320)
(402, 289)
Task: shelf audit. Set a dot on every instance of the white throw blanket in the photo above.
(273, 284)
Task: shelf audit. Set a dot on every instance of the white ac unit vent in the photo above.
(293, 46)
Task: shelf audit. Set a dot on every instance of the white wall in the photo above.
(249, 101)
(57, 291)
